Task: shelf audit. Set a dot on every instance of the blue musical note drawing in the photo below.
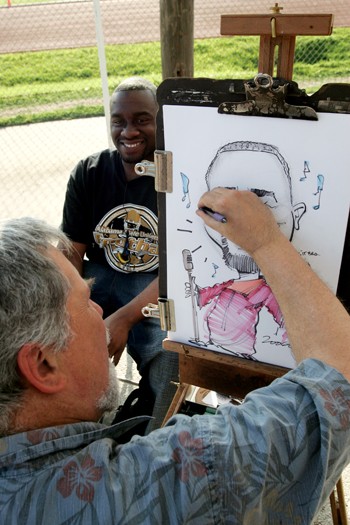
(320, 182)
(215, 266)
(185, 189)
(305, 170)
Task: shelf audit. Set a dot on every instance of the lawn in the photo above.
(61, 84)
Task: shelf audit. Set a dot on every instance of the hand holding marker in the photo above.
(214, 214)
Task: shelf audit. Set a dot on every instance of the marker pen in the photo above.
(214, 214)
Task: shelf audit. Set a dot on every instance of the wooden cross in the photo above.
(277, 30)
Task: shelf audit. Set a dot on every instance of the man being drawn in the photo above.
(233, 307)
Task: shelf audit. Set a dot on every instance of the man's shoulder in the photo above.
(106, 162)
(105, 159)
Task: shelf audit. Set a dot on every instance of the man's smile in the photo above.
(129, 145)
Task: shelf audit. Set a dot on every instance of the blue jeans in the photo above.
(112, 290)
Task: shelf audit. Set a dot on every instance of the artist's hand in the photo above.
(250, 223)
(119, 328)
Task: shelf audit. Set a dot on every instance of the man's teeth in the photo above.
(132, 145)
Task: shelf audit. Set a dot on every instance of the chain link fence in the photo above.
(36, 159)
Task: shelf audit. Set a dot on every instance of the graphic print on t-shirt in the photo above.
(129, 236)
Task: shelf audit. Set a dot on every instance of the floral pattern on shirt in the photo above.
(274, 459)
(337, 405)
(187, 456)
(80, 478)
(40, 435)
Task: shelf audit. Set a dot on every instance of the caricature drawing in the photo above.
(185, 189)
(305, 170)
(188, 265)
(232, 308)
(320, 183)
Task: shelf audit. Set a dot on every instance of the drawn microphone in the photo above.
(188, 265)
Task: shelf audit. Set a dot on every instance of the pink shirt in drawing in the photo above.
(232, 316)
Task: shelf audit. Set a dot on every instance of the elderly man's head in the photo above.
(52, 337)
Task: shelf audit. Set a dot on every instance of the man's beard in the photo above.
(109, 401)
(129, 160)
(243, 263)
(239, 263)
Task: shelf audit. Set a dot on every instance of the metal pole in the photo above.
(103, 67)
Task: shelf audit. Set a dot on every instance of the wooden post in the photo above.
(176, 33)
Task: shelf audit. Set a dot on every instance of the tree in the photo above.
(176, 33)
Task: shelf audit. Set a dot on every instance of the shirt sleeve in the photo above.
(280, 454)
(274, 459)
(75, 221)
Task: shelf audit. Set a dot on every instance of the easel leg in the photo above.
(178, 400)
(338, 507)
(285, 57)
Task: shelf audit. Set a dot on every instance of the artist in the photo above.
(273, 459)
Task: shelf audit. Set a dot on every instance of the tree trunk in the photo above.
(176, 33)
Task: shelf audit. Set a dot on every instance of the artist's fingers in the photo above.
(233, 203)
(216, 197)
(225, 202)
(248, 221)
(220, 201)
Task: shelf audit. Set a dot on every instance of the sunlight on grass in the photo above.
(39, 86)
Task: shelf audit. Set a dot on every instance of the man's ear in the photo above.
(298, 211)
(39, 366)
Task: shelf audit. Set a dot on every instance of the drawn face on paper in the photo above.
(261, 169)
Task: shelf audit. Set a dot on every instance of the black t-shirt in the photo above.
(115, 218)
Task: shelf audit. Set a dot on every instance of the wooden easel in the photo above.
(228, 375)
(277, 30)
(222, 373)
(280, 31)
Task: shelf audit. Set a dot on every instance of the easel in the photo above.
(277, 30)
(231, 376)
(222, 373)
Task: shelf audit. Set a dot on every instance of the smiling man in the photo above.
(110, 214)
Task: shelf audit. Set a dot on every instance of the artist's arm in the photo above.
(317, 324)
(121, 321)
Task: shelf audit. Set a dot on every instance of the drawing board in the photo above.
(300, 169)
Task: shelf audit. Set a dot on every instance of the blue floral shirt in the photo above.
(272, 460)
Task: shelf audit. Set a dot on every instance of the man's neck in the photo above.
(36, 412)
(129, 170)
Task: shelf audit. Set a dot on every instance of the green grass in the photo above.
(61, 84)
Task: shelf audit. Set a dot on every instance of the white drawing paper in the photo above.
(300, 169)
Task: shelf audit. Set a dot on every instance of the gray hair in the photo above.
(259, 147)
(136, 84)
(33, 301)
